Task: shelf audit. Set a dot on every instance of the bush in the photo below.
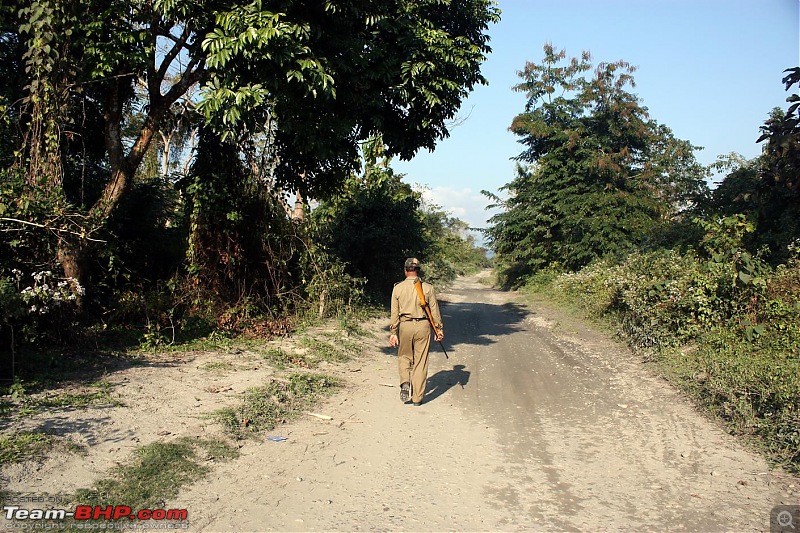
(37, 307)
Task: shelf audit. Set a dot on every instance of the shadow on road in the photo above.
(478, 323)
(471, 324)
(444, 380)
(474, 324)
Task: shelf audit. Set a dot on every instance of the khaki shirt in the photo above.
(405, 304)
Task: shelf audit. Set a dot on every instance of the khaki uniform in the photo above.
(414, 333)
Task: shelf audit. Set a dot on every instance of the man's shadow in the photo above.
(444, 380)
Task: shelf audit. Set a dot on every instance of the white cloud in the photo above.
(466, 204)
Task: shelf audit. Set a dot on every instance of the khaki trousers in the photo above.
(412, 356)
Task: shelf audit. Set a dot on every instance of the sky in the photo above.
(710, 70)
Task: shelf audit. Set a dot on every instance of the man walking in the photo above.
(415, 333)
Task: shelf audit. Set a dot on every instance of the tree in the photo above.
(377, 221)
(596, 176)
(766, 189)
(779, 179)
(453, 250)
(374, 223)
(331, 73)
(241, 239)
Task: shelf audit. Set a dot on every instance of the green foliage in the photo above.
(12, 307)
(79, 127)
(33, 222)
(242, 246)
(353, 71)
(373, 224)
(779, 186)
(12, 83)
(601, 176)
(20, 446)
(765, 189)
(750, 382)
(721, 321)
(147, 237)
(453, 251)
(376, 221)
(36, 307)
(330, 290)
(351, 326)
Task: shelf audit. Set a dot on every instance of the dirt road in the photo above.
(536, 422)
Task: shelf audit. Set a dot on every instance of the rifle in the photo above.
(427, 309)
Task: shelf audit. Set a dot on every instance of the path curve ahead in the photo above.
(535, 422)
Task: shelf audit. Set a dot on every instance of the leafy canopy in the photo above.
(314, 78)
(597, 175)
(336, 73)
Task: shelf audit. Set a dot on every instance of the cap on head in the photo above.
(412, 263)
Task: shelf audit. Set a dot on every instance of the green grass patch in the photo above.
(338, 346)
(280, 358)
(319, 350)
(344, 343)
(752, 386)
(20, 401)
(7, 408)
(156, 474)
(22, 446)
(352, 325)
(263, 408)
(216, 365)
(76, 399)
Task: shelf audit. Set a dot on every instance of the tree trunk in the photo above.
(123, 167)
(72, 257)
(299, 212)
(167, 140)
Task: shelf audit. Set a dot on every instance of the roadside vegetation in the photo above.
(148, 209)
(263, 408)
(156, 473)
(176, 180)
(153, 476)
(23, 445)
(611, 214)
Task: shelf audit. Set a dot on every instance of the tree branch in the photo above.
(59, 230)
(170, 56)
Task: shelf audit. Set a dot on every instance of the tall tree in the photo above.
(332, 73)
(767, 189)
(778, 187)
(596, 175)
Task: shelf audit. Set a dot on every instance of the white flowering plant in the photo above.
(48, 292)
(34, 305)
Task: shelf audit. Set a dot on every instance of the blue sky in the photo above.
(710, 70)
